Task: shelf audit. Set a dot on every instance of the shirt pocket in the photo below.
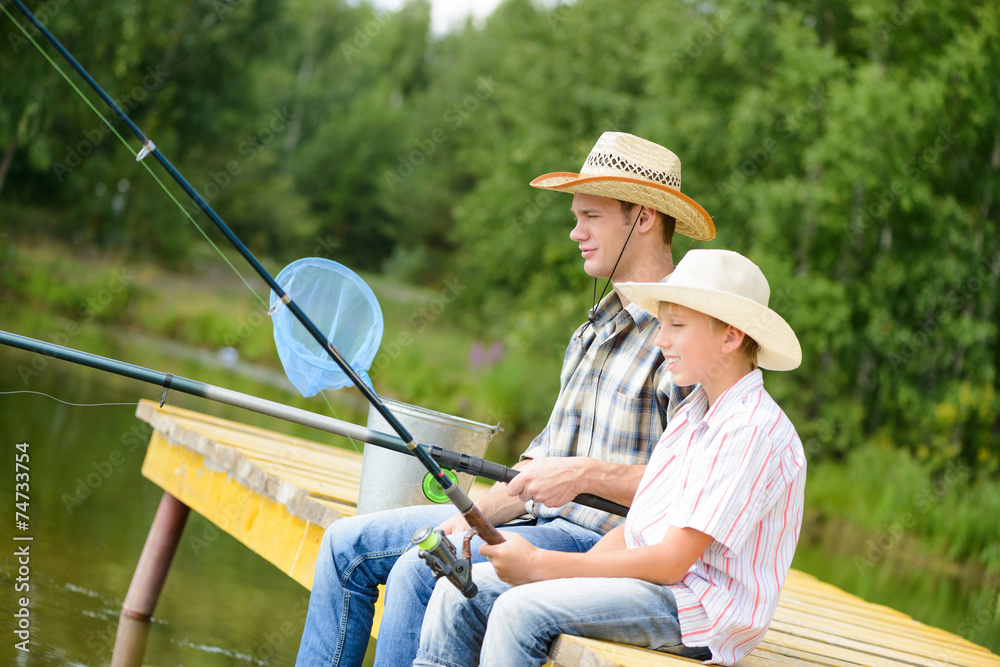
(630, 427)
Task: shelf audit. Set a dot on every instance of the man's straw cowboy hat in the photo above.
(623, 166)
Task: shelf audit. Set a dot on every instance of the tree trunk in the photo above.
(8, 157)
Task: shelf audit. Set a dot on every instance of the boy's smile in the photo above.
(695, 354)
(688, 343)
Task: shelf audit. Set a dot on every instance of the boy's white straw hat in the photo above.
(630, 168)
(729, 287)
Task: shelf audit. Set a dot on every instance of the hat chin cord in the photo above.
(592, 313)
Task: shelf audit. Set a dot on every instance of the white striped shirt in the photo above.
(737, 473)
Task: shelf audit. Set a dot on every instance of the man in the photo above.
(614, 401)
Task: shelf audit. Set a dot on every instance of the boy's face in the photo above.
(693, 352)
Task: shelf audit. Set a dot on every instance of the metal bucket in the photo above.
(390, 479)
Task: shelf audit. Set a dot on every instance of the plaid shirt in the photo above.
(615, 399)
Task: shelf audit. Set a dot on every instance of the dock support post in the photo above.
(147, 581)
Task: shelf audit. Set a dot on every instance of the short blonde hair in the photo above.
(748, 348)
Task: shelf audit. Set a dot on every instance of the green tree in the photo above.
(848, 147)
(357, 77)
(178, 70)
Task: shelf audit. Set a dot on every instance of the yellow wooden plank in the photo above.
(817, 607)
(780, 642)
(231, 507)
(260, 523)
(888, 646)
(325, 470)
(902, 634)
(768, 655)
(830, 598)
(815, 614)
(181, 415)
(286, 451)
(571, 651)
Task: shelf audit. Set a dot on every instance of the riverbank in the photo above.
(878, 505)
(425, 357)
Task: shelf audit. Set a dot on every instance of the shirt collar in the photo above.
(697, 404)
(732, 397)
(607, 309)
(641, 318)
(611, 306)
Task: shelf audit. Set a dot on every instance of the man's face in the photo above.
(600, 232)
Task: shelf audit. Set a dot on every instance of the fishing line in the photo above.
(354, 442)
(170, 194)
(163, 186)
(472, 465)
(133, 152)
(454, 493)
(156, 178)
(592, 314)
(592, 318)
(59, 400)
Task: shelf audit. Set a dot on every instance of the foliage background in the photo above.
(850, 147)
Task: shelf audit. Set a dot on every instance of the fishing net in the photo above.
(341, 306)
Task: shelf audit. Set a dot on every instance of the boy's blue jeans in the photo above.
(359, 553)
(524, 620)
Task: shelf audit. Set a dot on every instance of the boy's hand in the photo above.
(516, 560)
(455, 524)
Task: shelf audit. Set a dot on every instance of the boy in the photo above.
(698, 565)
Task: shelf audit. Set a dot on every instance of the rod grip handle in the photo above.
(603, 504)
(482, 527)
(472, 465)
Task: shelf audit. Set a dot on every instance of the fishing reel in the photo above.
(444, 561)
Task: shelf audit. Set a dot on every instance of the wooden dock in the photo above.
(276, 494)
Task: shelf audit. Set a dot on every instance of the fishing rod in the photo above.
(453, 491)
(472, 465)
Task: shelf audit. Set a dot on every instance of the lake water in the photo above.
(90, 510)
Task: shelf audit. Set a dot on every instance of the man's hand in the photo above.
(555, 481)
(516, 560)
(551, 481)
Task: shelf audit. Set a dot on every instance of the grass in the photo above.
(425, 358)
(898, 501)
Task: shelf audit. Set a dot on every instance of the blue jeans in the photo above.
(524, 620)
(359, 553)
